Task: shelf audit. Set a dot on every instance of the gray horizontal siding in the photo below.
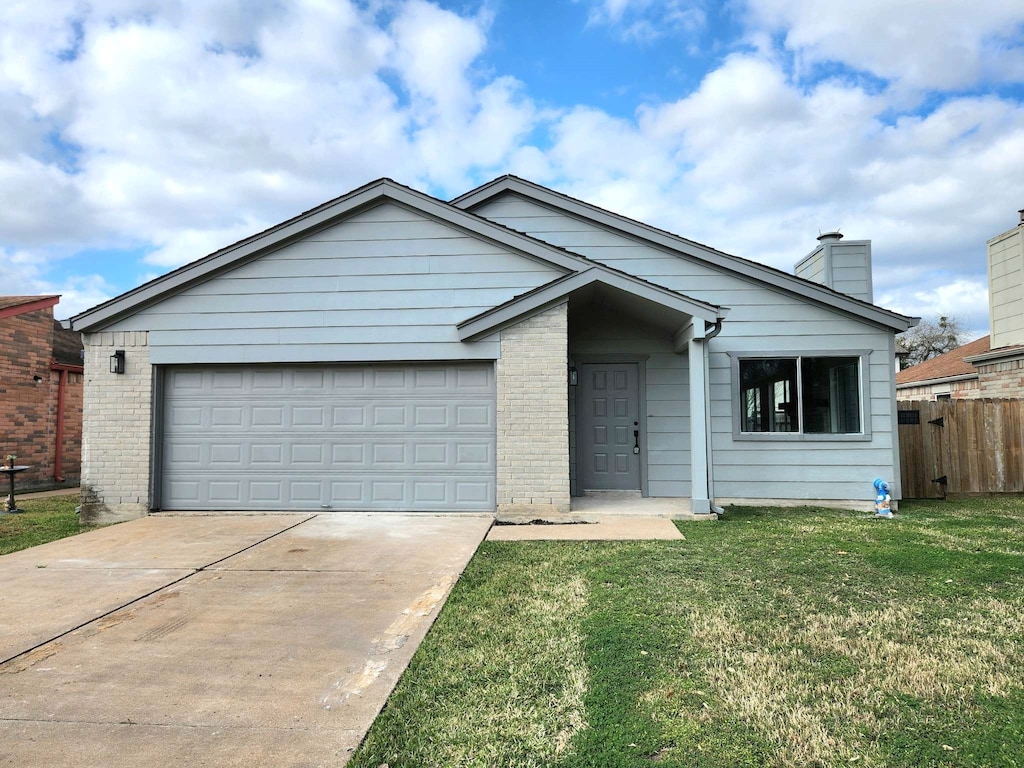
(387, 284)
(813, 267)
(851, 269)
(761, 320)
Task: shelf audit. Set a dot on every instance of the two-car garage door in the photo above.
(384, 437)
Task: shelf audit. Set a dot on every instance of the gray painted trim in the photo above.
(641, 383)
(556, 291)
(156, 436)
(325, 215)
(677, 245)
(803, 437)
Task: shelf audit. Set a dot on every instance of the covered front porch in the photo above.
(636, 390)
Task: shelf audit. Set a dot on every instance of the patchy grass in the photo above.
(501, 683)
(44, 520)
(772, 638)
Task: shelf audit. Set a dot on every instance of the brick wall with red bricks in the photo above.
(29, 394)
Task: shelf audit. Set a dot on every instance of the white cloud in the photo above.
(757, 165)
(646, 20)
(23, 270)
(188, 123)
(944, 44)
(177, 128)
(962, 298)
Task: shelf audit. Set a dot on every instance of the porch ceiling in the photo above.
(614, 301)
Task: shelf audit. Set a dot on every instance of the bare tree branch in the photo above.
(932, 338)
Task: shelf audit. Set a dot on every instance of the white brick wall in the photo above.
(116, 425)
(533, 415)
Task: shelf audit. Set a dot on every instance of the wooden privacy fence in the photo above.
(961, 447)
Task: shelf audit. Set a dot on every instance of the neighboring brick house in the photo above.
(40, 392)
(992, 366)
(943, 377)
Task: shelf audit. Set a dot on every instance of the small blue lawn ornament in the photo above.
(883, 502)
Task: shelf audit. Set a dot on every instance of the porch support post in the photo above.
(700, 498)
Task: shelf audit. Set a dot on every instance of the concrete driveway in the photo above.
(267, 640)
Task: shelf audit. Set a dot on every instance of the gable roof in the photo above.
(946, 366)
(559, 289)
(10, 306)
(686, 248)
(367, 196)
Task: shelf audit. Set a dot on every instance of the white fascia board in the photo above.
(680, 245)
(317, 218)
(558, 290)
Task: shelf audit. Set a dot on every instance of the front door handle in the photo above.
(636, 440)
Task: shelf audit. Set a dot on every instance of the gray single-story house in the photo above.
(505, 351)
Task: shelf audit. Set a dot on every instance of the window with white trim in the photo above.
(801, 394)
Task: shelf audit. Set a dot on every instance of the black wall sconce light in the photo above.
(574, 377)
(117, 362)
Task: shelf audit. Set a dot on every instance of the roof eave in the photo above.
(940, 380)
(762, 273)
(995, 354)
(32, 305)
(317, 218)
(559, 290)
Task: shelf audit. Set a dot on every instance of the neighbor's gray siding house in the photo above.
(508, 350)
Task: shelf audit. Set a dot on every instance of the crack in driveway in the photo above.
(133, 601)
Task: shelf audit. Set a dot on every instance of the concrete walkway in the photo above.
(586, 528)
(264, 640)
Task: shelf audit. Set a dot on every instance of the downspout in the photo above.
(717, 329)
(58, 450)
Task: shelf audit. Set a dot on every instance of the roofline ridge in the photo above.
(679, 238)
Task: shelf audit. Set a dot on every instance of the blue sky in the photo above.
(142, 134)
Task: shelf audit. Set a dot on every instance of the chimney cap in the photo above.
(830, 236)
(1021, 212)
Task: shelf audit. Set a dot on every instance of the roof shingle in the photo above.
(941, 367)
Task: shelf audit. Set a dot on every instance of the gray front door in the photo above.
(608, 427)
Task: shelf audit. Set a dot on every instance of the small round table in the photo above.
(10, 506)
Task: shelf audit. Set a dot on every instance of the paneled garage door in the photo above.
(413, 437)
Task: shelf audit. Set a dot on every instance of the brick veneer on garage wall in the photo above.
(532, 421)
(533, 415)
(28, 409)
(117, 425)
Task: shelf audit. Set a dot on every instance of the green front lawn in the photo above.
(44, 520)
(771, 638)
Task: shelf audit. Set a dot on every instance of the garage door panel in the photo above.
(247, 415)
(342, 437)
(335, 455)
(317, 493)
